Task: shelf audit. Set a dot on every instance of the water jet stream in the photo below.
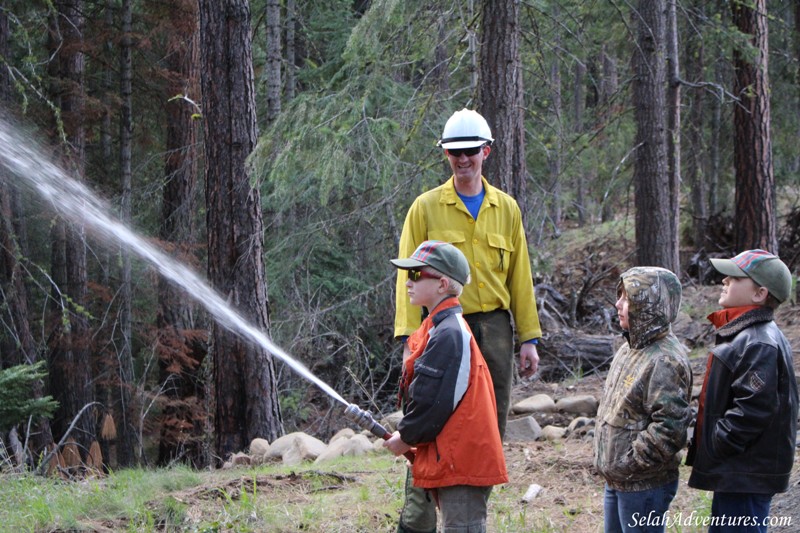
(76, 202)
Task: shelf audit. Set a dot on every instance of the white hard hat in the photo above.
(465, 129)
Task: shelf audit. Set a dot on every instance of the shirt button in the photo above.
(471, 221)
(484, 306)
(477, 265)
(480, 285)
(474, 241)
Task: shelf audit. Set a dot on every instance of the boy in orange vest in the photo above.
(450, 414)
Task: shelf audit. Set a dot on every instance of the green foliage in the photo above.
(136, 499)
(16, 401)
(338, 170)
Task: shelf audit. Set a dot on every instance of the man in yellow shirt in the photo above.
(486, 225)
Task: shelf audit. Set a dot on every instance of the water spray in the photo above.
(76, 202)
(365, 420)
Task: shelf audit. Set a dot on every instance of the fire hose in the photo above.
(365, 420)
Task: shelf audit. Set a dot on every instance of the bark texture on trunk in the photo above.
(244, 375)
(501, 97)
(69, 364)
(654, 225)
(752, 158)
(181, 347)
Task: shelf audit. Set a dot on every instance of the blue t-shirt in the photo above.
(473, 203)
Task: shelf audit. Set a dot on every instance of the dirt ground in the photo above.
(570, 499)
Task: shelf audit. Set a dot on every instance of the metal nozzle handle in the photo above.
(365, 420)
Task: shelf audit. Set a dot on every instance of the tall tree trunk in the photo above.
(694, 126)
(501, 98)
(796, 165)
(128, 451)
(441, 73)
(17, 345)
(472, 49)
(673, 130)
(273, 16)
(69, 365)
(654, 238)
(554, 157)
(609, 84)
(755, 182)
(290, 85)
(181, 350)
(244, 375)
(714, 148)
(578, 106)
(106, 370)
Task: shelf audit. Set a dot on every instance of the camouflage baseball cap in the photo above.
(762, 267)
(441, 256)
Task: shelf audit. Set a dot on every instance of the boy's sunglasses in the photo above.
(469, 152)
(416, 275)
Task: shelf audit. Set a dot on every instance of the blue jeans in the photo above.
(739, 513)
(640, 511)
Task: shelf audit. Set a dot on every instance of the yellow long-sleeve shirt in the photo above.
(495, 246)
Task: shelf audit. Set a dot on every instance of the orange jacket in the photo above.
(467, 450)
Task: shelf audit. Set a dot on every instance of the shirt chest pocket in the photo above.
(426, 384)
(501, 248)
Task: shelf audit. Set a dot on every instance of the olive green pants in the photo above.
(495, 338)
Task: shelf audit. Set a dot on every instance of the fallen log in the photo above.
(570, 353)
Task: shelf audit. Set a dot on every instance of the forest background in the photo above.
(276, 145)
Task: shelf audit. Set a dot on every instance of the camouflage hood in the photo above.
(654, 297)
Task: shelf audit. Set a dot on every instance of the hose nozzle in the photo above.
(365, 420)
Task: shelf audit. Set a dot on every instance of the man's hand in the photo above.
(528, 360)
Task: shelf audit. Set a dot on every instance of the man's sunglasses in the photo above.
(416, 275)
(469, 152)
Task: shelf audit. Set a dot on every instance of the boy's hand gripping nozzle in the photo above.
(365, 420)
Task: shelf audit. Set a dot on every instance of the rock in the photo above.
(334, 450)
(378, 447)
(281, 445)
(358, 445)
(539, 403)
(580, 426)
(241, 459)
(531, 493)
(296, 447)
(578, 405)
(355, 446)
(390, 421)
(345, 433)
(522, 430)
(259, 448)
(553, 433)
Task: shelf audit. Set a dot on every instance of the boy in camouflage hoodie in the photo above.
(643, 417)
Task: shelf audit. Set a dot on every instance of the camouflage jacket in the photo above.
(644, 414)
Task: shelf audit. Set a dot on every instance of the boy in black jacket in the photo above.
(744, 439)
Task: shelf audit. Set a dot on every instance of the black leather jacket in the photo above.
(747, 439)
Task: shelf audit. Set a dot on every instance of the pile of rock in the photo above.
(299, 447)
(577, 411)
